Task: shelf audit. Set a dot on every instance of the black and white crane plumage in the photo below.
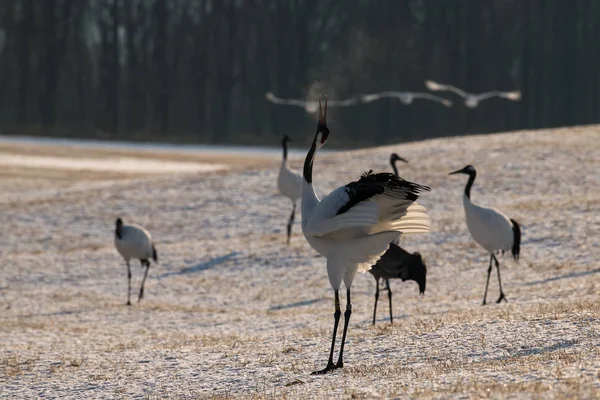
(397, 263)
(310, 106)
(472, 100)
(134, 242)
(353, 226)
(406, 98)
(491, 229)
(290, 185)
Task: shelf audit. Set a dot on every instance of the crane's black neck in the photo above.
(284, 142)
(393, 162)
(118, 231)
(472, 176)
(308, 162)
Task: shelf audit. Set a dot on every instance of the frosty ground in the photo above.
(231, 311)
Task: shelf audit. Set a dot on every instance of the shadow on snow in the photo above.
(567, 276)
(203, 266)
(296, 304)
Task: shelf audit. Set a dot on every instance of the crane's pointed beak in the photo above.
(404, 160)
(457, 172)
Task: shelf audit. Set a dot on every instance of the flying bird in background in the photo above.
(406, 98)
(310, 106)
(472, 100)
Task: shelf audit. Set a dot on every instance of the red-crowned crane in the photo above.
(491, 229)
(353, 225)
(397, 263)
(289, 184)
(133, 241)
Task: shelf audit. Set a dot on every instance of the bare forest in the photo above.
(198, 70)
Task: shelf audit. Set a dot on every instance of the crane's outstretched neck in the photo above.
(309, 197)
(284, 143)
(308, 162)
(472, 175)
(393, 162)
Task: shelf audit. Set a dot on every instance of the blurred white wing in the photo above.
(292, 102)
(310, 106)
(367, 98)
(431, 85)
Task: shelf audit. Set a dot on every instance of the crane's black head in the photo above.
(469, 170)
(395, 157)
(119, 222)
(286, 139)
(417, 271)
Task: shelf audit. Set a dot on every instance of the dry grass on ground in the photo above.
(231, 312)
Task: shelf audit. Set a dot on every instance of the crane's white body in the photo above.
(490, 228)
(289, 182)
(355, 240)
(135, 243)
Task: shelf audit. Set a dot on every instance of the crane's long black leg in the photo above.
(330, 366)
(389, 288)
(141, 295)
(488, 280)
(128, 283)
(347, 315)
(290, 224)
(502, 296)
(376, 298)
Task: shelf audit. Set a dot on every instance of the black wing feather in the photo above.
(371, 184)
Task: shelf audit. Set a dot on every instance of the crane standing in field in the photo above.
(472, 100)
(290, 185)
(491, 229)
(133, 241)
(397, 263)
(354, 224)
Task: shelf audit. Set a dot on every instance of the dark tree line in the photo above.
(198, 70)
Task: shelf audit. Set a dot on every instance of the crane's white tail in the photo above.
(516, 247)
(154, 254)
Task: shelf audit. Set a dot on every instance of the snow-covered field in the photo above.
(231, 311)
